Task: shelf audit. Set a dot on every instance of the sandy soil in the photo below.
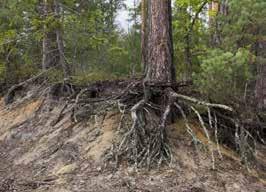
(37, 155)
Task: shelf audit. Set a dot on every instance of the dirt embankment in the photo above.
(43, 150)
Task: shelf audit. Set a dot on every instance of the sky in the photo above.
(122, 17)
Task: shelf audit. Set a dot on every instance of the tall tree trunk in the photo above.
(161, 68)
(134, 50)
(260, 89)
(145, 31)
(188, 41)
(49, 55)
(59, 41)
(220, 8)
(53, 46)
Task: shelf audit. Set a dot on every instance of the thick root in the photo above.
(145, 143)
(9, 98)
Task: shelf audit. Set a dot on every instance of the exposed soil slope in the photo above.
(43, 150)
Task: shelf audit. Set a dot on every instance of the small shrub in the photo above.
(223, 75)
(55, 75)
(85, 78)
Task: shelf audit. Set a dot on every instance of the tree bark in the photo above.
(49, 38)
(60, 43)
(160, 59)
(260, 88)
(145, 31)
(220, 8)
(52, 43)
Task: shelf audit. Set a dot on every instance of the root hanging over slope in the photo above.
(145, 143)
(146, 111)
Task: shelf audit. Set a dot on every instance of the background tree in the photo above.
(19, 51)
(52, 43)
(189, 34)
(145, 32)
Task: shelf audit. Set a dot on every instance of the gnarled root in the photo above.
(9, 98)
(145, 143)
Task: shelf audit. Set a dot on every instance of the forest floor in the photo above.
(42, 152)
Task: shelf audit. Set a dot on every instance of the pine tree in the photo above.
(160, 67)
(52, 43)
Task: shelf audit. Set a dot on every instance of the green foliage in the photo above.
(91, 38)
(86, 78)
(19, 52)
(96, 49)
(2, 71)
(223, 75)
(55, 76)
(244, 25)
(94, 42)
(183, 14)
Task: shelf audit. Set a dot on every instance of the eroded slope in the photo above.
(42, 150)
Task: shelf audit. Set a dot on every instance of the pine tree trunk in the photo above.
(160, 59)
(49, 55)
(53, 47)
(59, 41)
(145, 31)
(260, 89)
(220, 8)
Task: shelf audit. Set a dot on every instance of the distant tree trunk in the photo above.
(145, 31)
(52, 45)
(49, 38)
(220, 8)
(59, 41)
(260, 89)
(8, 68)
(160, 59)
(134, 46)
(188, 40)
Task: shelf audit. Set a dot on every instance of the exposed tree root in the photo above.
(145, 142)
(9, 98)
(61, 89)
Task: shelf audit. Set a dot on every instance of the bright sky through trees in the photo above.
(123, 15)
